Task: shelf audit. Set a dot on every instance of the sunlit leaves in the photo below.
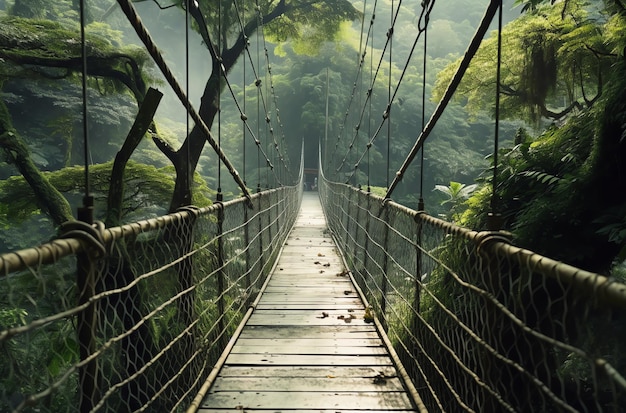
(615, 34)
(553, 60)
(307, 23)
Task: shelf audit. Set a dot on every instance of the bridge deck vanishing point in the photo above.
(307, 346)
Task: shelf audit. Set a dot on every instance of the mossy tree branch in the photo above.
(48, 198)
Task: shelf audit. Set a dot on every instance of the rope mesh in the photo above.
(479, 324)
(158, 313)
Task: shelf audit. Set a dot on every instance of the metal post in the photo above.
(383, 287)
(418, 271)
(260, 235)
(246, 237)
(86, 320)
(367, 237)
(220, 273)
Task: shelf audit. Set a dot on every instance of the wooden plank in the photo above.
(309, 342)
(310, 305)
(339, 302)
(338, 331)
(324, 384)
(230, 409)
(306, 280)
(309, 400)
(296, 317)
(306, 360)
(289, 349)
(368, 372)
(301, 299)
(337, 290)
(297, 320)
(306, 347)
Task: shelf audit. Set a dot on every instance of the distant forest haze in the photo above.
(560, 188)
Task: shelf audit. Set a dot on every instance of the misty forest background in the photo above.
(562, 183)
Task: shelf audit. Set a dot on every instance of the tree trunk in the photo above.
(192, 148)
(135, 135)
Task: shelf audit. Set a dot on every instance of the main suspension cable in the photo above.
(147, 40)
(426, 9)
(216, 56)
(451, 89)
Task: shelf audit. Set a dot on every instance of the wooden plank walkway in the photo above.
(306, 346)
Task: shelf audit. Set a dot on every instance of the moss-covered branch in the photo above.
(46, 44)
(47, 197)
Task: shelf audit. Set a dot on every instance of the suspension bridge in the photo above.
(285, 300)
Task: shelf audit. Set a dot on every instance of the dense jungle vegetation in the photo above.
(561, 159)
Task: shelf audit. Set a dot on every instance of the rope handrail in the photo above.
(610, 290)
(131, 342)
(480, 324)
(56, 249)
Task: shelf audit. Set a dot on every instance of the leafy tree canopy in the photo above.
(555, 60)
(50, 50)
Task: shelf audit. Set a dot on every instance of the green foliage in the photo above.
(456, 194)
(12, 317)
(552, 63)
(550, 188)
(146, 187)
(41, 43)
(615, 34)
(309, 25)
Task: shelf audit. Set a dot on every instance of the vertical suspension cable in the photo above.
(188, 130)
(360, 73)
(420, 202)
(388, 111)
(268, 142)
(326, 114)
(87, 210)
(370, 91)
(243, 117)
(219, 99)
(257, 82)
(493, 222)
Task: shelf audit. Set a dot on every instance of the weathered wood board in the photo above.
(307, 346)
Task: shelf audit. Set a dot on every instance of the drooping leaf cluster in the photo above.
(555, 60)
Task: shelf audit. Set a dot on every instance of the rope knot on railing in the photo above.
(485, 239)
(89, 235)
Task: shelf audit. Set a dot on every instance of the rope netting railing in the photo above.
(479, 324)
(133, 318)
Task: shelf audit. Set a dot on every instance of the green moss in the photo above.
(146, 187)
